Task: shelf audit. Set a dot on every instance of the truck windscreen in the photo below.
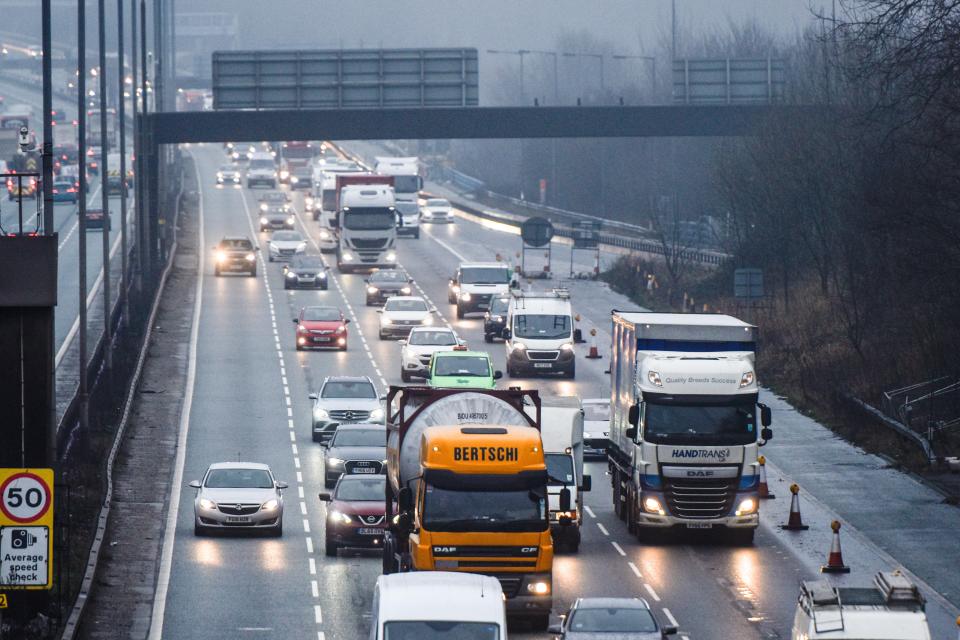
(435, 630)
(454, 510)
(406, 184)
(328, 201)
(546, 327)
(700, 424)
(560, 469)
(484, 275)
(369, 219)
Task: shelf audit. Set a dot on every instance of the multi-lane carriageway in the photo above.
(248, 399)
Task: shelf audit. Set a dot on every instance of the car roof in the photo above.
(414, 596)
(361, 426)
(240, 465)
(423, 329)
(406, 298)
(347, 379)
(446, 354)
(464, 265)
(611, 603)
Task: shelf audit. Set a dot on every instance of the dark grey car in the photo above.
(611, 619)
(355, 449)
(385, 283)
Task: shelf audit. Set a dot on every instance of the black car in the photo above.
(387, 283)
(304, 271)
(355, 449)
(96, 219)
(495, 318)
(235, 254)
(277, 217)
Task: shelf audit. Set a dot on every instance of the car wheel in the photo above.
(253, 272)
(286, 286)
(405, 376)
(343, 348)
(417, 234)
(742, 537)
(270, 258)
(382, 337)
(331, 548)
(451, 298)
(460, 312)
(572, 373)
(198, 529)
(316, 436)
(487, 337)
(369, 302)
(299, 348)
(277, 531)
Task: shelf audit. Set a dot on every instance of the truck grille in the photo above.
(349, 415)
(699, 499)
(369, 243)
(510, 585)
(543, 355)
(352, 466)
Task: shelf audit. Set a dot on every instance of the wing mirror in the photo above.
(195, 484)
(586, 483)
(282, 485)
(296, 321)
(565, 499)
(765, 415)
(312, 396)
(668, 630)
(324, 497)
(347, 321)
(402, 343)
(631, 433)
(405, 499)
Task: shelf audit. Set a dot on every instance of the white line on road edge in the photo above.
(173, 507)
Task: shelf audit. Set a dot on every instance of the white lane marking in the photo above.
(300, 492)
(303, 508)
(320, 636)
(635, 570)
(603, 529)
(618, 548)
(589, 511)
(293, 436)
(299, 477)
(309, 545)
(173, 508)
(443, 244)
(306, 526)
(294, 447)
(653, 594)
(296, 462)
(290, 423)
(313, 567)
(317, 615)
(283, 377)
(314, 587)
(670, 617)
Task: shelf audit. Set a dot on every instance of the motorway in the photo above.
(248, 401)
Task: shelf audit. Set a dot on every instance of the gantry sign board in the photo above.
(345, 78)
(26, 529)
(728, 81)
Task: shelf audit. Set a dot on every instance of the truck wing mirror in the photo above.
(766, 434)
(565, 499)
(405, 499)
(586, 484)
(765, 417)
(633, 416)
(631, 433)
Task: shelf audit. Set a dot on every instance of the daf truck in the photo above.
(467, 491)
(685, 423)
(366, 223)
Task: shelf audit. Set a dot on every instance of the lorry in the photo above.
(893, 609)
(93, 127)
(366, 227)
(538, 333)
(405, 607)
(294, 156)
(408, 181)
(684, 436)
(262, 170)
(466, 491)
(562, 435)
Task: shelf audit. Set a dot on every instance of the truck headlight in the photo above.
(519, 346)
(376, 414)
(320, 414)
(746, 379)
(270, 505)
(221, 256)
(391, 257)
(746, 507)
(284, 175)
(465, 296)
(538, 587)
(654, 378)
(324, 235)
(294, 179)
(652, 505)
(566, 514)
(346, 256)
(250, 257)
(372, 290)
(206, 503)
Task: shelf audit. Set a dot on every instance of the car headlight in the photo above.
(455, 289)
(270, 505)
(497, 318)
(250, 257)
(291, 220)
(334, 462)
(339, 517)
(372, 290)
(322, 275)
(346, 256)
(206, 503)
(291, 274)
(746, 507)
(566, 346)
(652, 505)
(263, 220)
(538, 587)
(391, 257)
(301, 247)
(653, 377)
(376, 414)
(385, 320)
(308, 201)
(284, 175)
(294, 179)
(320, 414)
(746, 379)
(405, 291)
(221, 256)
(428, 321)
(219, 176)
(465, 296)
(324, 235)
(264, 207)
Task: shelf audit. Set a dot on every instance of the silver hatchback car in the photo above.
(238, 495)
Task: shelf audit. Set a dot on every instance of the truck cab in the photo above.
(538, 334)
(367, 228)
(262, 170)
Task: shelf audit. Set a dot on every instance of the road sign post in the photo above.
(26, 526)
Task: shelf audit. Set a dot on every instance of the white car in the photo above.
(436, 210)
(234, 495)
(419, 347)
(400, 314)
(228, 174)
(286, 244)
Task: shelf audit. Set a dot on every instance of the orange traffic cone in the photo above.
(764, 491)
(835, 559)
(794, 523)
(594, 352)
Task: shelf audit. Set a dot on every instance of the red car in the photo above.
(355, 513)
(321, 327)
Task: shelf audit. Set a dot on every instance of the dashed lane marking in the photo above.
(653, 594)
(603, 529)
(618, 548)
(589, 511)
(635, 570)
(670, 617)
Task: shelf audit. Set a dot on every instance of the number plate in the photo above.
(699, 525)
(238, 519)
(363, 470)
(542, 365)
(322, 339)
(370, 531)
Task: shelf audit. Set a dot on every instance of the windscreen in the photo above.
(434, 630)
(297, 151)
(452, 510)
(433, 338)
(560, 469)
(307, 262)
(700, 424)
(321, 314)
(287, 236)
(262, 164)
(401, 304)
(328, 199)
(611, 620)
(237, 245)
(369, 219)
(596, 412)
(360, 488)
(388, 276)
(461, 366)
(360, 438)
(499, 306)
(406, 184)
(349, 389)
(485, 275)
(438, 202)
(239, 479)
(547, 327)
(408, 208)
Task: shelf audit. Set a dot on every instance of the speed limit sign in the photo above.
(26, 528)
(25, 497)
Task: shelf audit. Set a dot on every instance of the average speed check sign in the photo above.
(26, 527)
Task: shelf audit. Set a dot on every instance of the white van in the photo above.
(538, 335)
(438, 605)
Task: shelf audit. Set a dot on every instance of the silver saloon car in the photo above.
(238, 495)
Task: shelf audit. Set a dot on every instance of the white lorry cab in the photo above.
(685, 423)
(893, 609)
(367, 227)
(562, 433)
(538, 334)
(262, 170)
(406, 176)
(436, 605)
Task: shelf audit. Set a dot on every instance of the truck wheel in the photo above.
(460, 312)
(631, 514)
(742, 537)
(331, 549)
(416, 234)
(572, 373)
(405, 376)
(253, 272)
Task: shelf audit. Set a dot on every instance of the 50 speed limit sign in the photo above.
(25, 496)
(26, 528)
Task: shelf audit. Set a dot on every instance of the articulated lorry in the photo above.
(407, 182)
(685, 423)
(467, 491)
(366, 227)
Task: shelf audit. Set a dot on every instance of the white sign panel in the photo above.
(24, 556)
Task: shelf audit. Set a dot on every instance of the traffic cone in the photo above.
(764, 491)
(835, 559)
(594, 352)
(794, 522)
